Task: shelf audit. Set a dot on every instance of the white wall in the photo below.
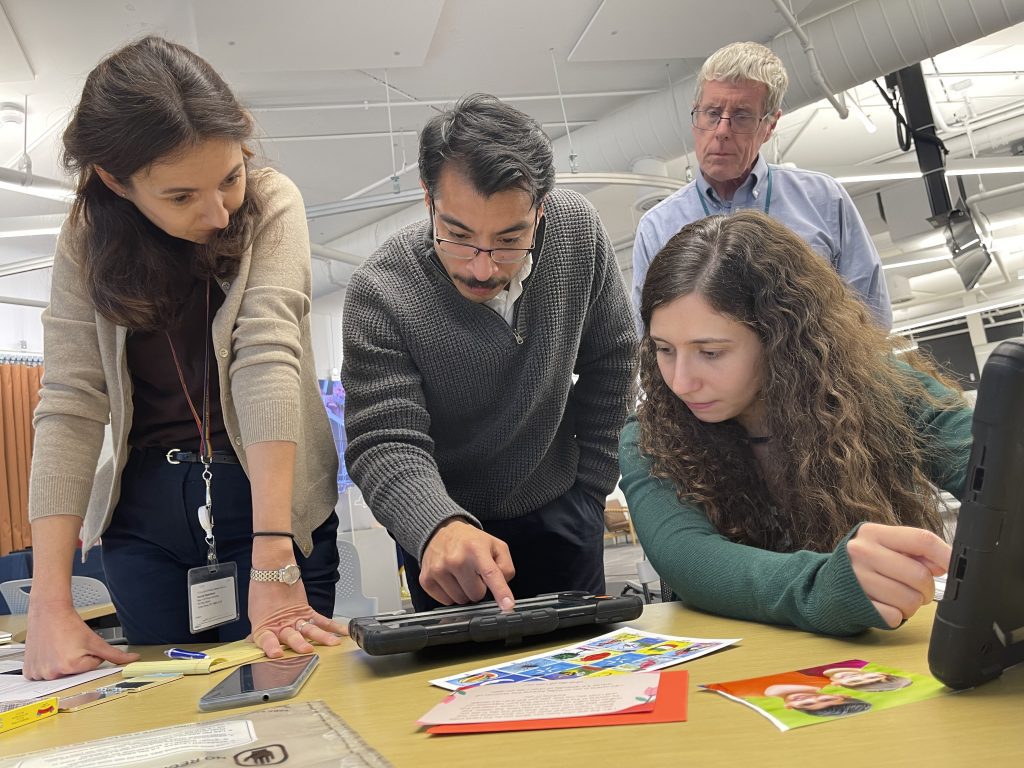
(326, 328)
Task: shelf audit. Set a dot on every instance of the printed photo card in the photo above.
(827, 692)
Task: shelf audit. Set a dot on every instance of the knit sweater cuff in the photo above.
(424, 512)
(848, 609)
(58, 495)
(268, 420)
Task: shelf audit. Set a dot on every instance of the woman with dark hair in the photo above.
(179, 312)
(780, 464)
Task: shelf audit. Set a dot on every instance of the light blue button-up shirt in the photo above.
(812, 204)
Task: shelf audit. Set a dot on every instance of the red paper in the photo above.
(669, 707)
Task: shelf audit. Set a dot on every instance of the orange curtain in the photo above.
(19, 395)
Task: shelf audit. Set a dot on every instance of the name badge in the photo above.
(212, 596)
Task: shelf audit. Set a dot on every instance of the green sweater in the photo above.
(812, 590)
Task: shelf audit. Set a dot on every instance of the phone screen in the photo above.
(261, 681)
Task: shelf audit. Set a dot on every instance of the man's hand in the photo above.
(896, 567)
(461, 563)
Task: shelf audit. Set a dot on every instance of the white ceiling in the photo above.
(314, 73)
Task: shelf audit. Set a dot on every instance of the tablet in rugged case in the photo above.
(979, 624)
(401, 632)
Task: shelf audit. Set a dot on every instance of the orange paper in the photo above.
(669, 707)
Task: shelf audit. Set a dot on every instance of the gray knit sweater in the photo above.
(450, 411)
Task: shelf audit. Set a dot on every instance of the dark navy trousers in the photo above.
(154, 538)
(556, 548)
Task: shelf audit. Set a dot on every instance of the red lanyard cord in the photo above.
(203, 423)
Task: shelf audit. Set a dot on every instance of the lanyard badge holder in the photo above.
(212, 588)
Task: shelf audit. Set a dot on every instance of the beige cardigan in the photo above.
(262, 343)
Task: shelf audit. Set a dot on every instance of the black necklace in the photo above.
(761, 440)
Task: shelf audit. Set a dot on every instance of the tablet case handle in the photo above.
(979, 624)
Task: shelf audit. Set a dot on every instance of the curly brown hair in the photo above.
(837, 399)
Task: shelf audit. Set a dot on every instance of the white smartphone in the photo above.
(260, 682)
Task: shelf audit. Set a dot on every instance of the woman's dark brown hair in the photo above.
(838, 402)
(148, 102)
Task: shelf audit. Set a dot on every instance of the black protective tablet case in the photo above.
(400, 632)
(979, 624)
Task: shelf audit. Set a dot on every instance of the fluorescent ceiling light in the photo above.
(925, 322)
(30, 232)
(31, 226)
(969, 166)
(915, 262)
(857, 173)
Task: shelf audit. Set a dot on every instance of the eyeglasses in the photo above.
(741, 122)
(468, 252)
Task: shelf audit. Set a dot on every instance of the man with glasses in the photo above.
(739, 94)
(462, 335)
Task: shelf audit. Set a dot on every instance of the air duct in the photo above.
(856, 43)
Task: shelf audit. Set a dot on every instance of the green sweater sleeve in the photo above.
(949, 430)
(811, 590)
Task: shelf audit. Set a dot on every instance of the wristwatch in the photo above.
(289, 574)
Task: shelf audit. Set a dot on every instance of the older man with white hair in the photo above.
(737, 106)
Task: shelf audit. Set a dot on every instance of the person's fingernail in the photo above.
(506, 604)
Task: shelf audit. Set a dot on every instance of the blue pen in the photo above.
(178, 653)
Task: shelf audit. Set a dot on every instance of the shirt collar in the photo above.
(755, 181)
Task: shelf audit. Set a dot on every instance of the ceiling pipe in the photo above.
(856, 43)
(837, 101)
(28, 265)
(366, 240)
(23, 302)
(973, 200)
(385, 134)
(333, 254)
(416, 194)
(447, 102)
(942, 318)
(38, 186)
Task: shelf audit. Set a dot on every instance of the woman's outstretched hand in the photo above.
(281, 617)
(896, 567)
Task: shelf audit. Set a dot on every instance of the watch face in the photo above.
(290, 574)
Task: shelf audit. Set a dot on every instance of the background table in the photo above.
(382, 697)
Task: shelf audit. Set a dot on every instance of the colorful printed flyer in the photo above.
(619, 651)
(819, 694)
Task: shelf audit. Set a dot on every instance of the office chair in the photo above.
(646, 575)
(84, 591)
(349, 600)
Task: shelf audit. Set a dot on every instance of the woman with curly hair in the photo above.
(780, 464)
